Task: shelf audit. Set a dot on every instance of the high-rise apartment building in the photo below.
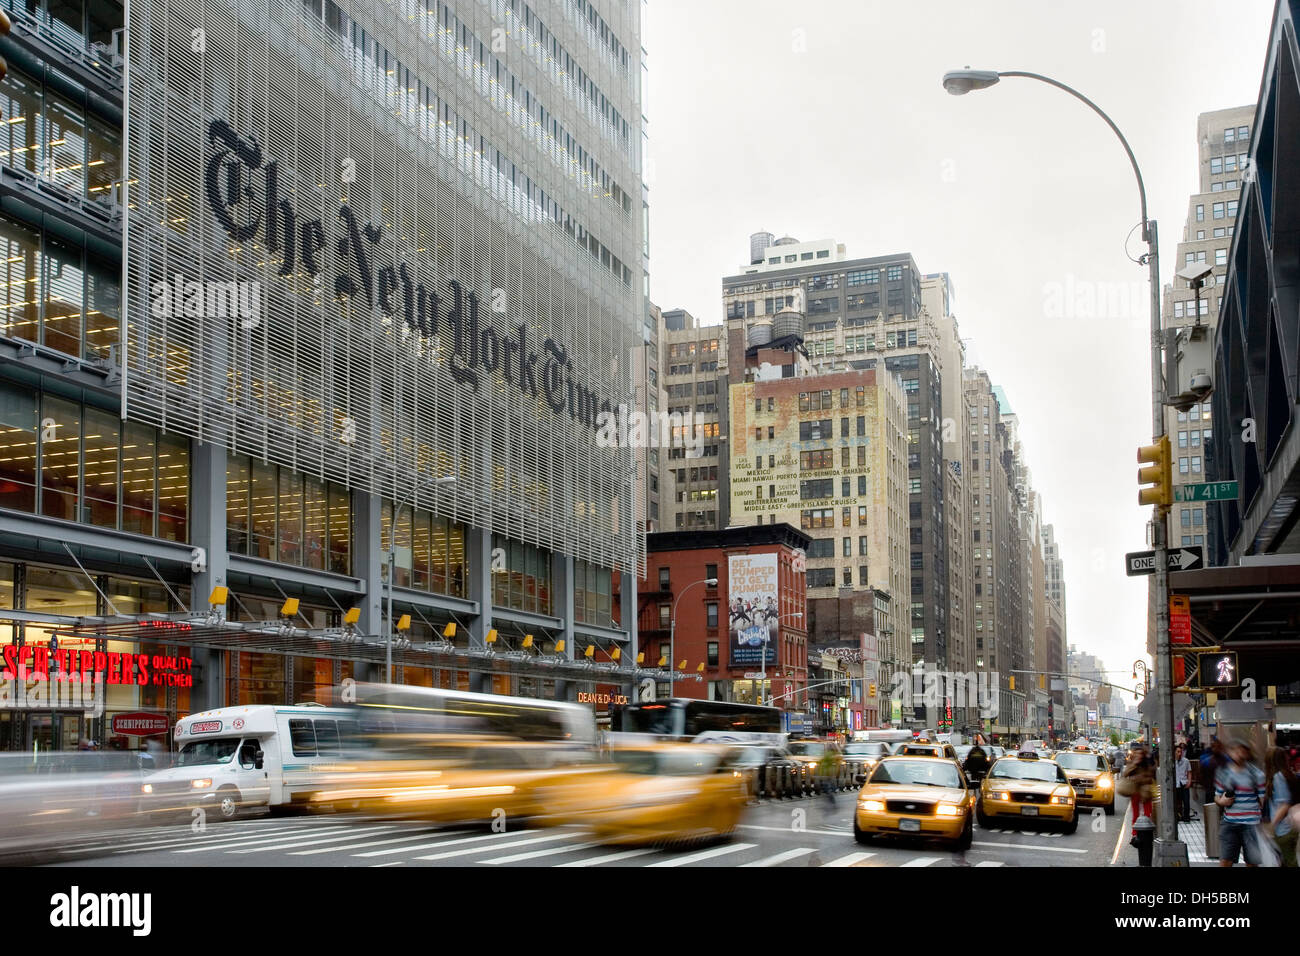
(1223, 142)
(693, 370)
(860, 314)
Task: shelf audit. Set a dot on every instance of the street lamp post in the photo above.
(392, 560)
(672, 631)
(1168, 848)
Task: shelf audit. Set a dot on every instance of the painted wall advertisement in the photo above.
(754, 615)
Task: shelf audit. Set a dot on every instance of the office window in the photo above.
(664, 574)
(848, 547)
(862, 545)
(711, 614)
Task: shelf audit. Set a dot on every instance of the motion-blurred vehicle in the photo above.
(51, 799)
(864, 755)
(457, 757)
(925, 748)
(681, 718)
(455, 778)
(920, 796)
(1026, 786)
(1090, 776)
(236, 758)
(665, 793)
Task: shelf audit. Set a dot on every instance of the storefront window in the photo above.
(260, 679)
(313, 680)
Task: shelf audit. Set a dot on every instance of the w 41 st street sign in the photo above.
(1179, 559)
(1209, 491)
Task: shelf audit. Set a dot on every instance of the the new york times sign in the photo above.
(239, 175)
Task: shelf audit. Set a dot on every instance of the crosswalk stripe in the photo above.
(358, 846)
(704, 855)
(172, 837)
(610, 857)
(782, 857)
(467, 850)
(441, 843)
(249, 840)
(1029, 847)
(850, 860)
(372, 831)
(991, 863)
(922, 861)
(535, 854)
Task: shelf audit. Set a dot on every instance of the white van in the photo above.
(257, 756)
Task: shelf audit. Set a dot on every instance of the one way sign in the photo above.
(1180, 559)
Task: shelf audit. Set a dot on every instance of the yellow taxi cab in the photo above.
(454, 778)
(1026, 786)
(924, 747)
(915, 796)
(665, 793)
(1090, 776)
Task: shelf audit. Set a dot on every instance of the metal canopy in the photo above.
(348, 644)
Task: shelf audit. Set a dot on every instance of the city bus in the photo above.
(686, 719)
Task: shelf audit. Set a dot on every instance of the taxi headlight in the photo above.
(1004, 795)
(146, 788)
(872, 806)
(1105, 781)
(948, 810)
(202, 783)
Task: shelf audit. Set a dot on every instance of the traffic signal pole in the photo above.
(1168, 850)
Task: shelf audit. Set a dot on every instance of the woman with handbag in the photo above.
(1138, 783)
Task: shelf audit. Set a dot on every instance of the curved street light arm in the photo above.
(1142, 189)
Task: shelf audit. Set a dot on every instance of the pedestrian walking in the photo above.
(1182, 783)
(1282, 796)
(1239, 787)
(1138, 784)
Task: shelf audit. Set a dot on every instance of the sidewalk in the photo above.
(1193, 834)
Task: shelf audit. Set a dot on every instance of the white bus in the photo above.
(256, 756)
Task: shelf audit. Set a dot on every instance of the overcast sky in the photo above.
(827, 118)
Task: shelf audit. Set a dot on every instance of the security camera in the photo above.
(1195, 274)
(1202, 384)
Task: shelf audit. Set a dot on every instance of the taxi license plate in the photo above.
(909, 826)
(1029, 811)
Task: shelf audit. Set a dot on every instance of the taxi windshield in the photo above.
(927, 773)
(1080, 761)
(201, 752)
(671, 763)
(1041, 770)
(865, 750)
(807, 748)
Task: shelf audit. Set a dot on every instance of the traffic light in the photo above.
(1158, 473)
(1011, 682)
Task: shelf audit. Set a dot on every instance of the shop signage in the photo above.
(139, 725)
(394, 290)
(602, 699)
(37, 662)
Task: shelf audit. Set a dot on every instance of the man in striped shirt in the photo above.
(1239, 788)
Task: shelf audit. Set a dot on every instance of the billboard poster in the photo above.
(754, 617)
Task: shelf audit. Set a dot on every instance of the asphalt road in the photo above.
(795, 833)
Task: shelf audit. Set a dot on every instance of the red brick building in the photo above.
(760, 590)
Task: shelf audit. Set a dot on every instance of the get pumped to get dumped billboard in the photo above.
(754, 615)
